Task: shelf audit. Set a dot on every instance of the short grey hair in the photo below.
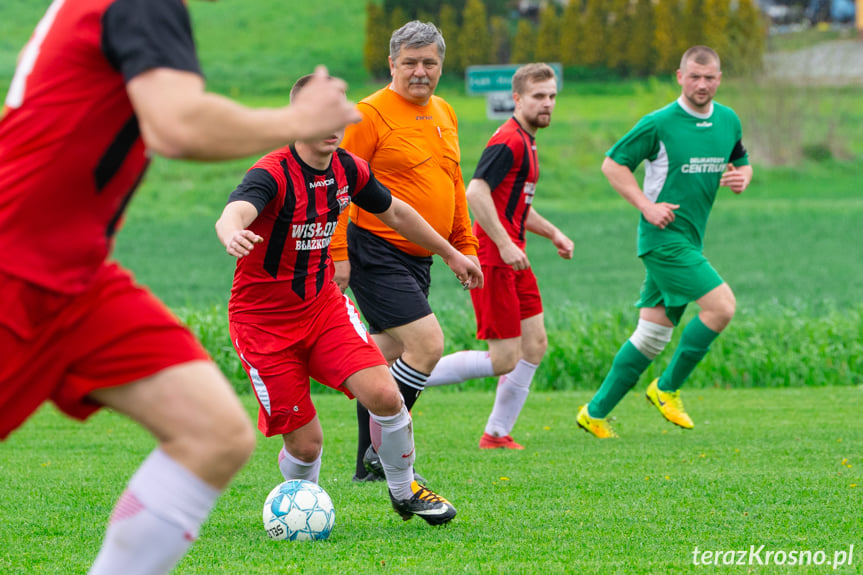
(416, 34)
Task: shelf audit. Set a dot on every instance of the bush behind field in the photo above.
(787, 348)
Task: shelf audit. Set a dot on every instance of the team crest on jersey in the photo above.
(529, 191)
(343, 198)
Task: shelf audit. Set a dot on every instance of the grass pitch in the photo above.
(777, 467)
(780, 468)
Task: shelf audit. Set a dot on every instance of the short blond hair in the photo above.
(536, 72)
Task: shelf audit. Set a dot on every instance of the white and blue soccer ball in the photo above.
(298, 510)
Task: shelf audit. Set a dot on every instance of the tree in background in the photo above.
(592, 42)
(716, 12)
(416, 9)
(524, 43)
(548, 35)
(694, 23)
(474, 40)
(747, 32)
(376, 46)
(667, 19)
(500, 44)
(501, 8)
(398, 18)
(619, 23)
(640, 46)
(448, 24)
(424, 16)
(570, 35)
(630, 37)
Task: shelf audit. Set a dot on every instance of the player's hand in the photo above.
(242, 243)
(514, 256)
(342, 274)
(734, 179)
(466, 269)
(564, 245)
(660, 214)
(320, 108)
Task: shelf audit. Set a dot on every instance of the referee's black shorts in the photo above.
(390, 286)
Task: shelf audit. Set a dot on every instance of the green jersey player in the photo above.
(690, 147)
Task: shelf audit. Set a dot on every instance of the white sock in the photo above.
(461, 366)
(397, 451)
(293, 468)
(156, 519)
(512, 390)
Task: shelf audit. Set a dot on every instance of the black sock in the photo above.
(364, 439)
(410, 381)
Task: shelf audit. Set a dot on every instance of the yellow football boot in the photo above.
(669, 405)
(597, 426)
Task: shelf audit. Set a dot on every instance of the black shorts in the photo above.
(390, 286)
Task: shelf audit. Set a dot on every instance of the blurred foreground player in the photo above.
(100, 87)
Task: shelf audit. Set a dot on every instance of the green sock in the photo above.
(694, 345)
(628, 365)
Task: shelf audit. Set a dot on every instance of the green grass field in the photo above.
(775, 458)
(780, 468)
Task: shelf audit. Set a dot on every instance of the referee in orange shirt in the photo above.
(409, 136)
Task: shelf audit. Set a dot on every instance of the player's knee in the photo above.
(434, 350)
(650, 338)
(308, 452)
(238, 441)
(423, 347)
(730, 306)
(723, 312)
(504, 363)
(228, 440)
(385, 400)
(423, 355)
(534, 350)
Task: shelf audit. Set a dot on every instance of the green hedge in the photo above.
(782, 348)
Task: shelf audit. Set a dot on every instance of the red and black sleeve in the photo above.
(140, 35)
(494, 164)
(258, 187)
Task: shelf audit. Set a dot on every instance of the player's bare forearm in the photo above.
(621, 178)
(231, 228)
(536, 224)
(482, 205)
(342, 274)
(624, 183)
(179, 119)
(540, 226)
(401, 217)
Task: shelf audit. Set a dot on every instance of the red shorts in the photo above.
(326, 341)
(507, 297)
(62, 347)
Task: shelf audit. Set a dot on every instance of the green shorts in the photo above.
(677, 274)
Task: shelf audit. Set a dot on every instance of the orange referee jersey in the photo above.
(413, 150)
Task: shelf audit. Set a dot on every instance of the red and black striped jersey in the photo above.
(70, 148)
(298, 211)
(509, 165)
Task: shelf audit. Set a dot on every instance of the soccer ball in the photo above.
(298, 510)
